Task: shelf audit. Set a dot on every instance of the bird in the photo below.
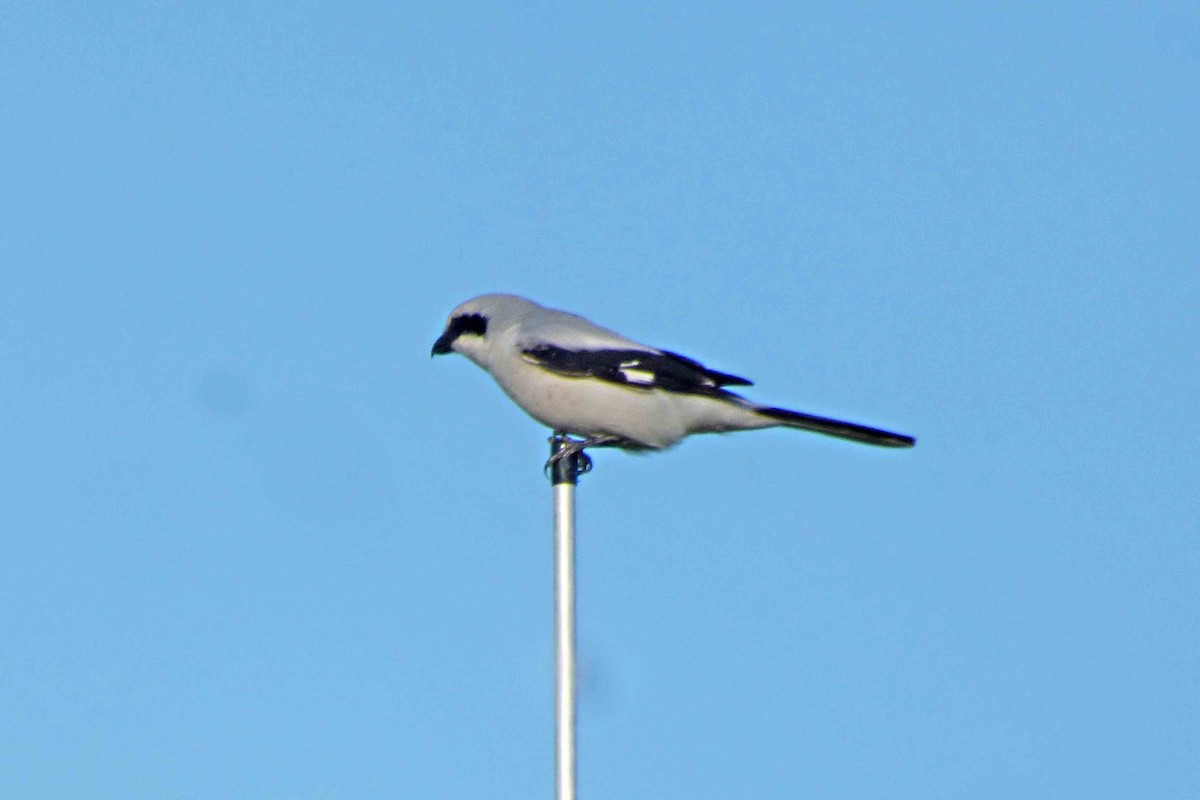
(582, 380)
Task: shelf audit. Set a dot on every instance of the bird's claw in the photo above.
(566, 446)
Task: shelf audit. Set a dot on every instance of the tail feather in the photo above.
(834, 427)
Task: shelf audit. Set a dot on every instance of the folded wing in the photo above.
(646, 369)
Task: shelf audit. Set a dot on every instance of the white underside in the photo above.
(591, 407)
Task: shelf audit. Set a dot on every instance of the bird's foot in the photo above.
(566, 446)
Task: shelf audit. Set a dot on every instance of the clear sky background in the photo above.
(254, 543)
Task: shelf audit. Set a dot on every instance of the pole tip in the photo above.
(567, 460)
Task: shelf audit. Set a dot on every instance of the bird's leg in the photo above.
(565, 446)
(604, 440)
(575, 447)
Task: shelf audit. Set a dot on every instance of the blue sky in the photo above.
(256, 544)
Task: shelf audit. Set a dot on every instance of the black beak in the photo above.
(442, 346)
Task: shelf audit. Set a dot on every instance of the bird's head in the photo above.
(474, 325)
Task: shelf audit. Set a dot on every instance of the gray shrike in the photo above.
(578, 378)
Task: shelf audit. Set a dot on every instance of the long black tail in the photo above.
(834, 427)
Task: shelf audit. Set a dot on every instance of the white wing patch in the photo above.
(642, 377)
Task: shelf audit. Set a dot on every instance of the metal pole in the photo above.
(564, 475)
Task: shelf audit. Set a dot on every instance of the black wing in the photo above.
(634, 368)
